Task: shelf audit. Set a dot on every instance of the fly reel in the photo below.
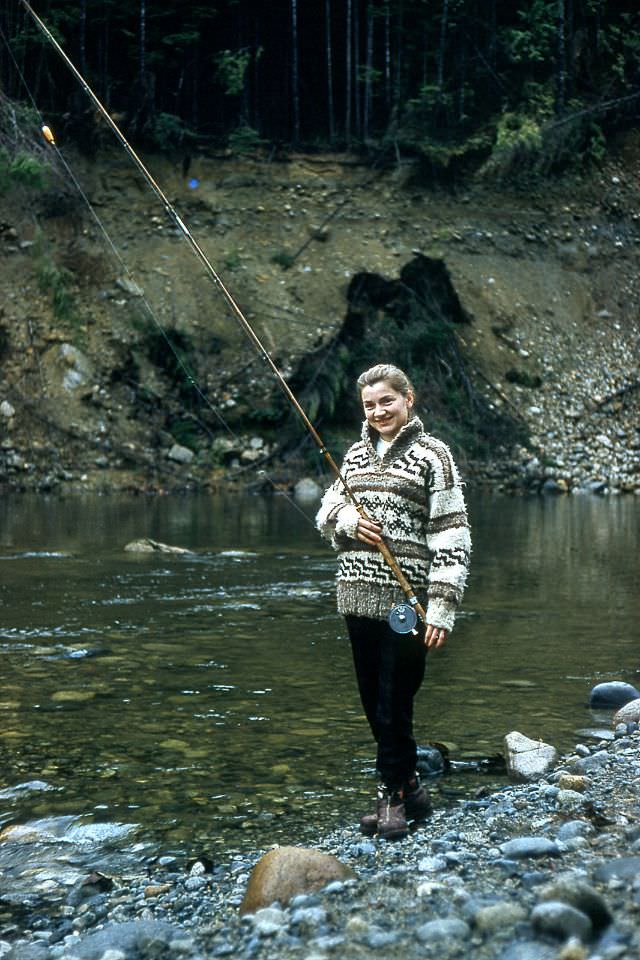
(403, 618)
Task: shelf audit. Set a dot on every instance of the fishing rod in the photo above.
(403, 618)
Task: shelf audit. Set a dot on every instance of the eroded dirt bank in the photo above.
(99, 347)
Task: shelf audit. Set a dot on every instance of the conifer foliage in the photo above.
(333, 73)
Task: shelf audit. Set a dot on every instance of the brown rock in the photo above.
(570, 781)
(156, 890)
(285, 872)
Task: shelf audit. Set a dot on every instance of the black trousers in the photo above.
(389, 669)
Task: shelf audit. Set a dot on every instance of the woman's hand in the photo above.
(434, 636)
(369, 531)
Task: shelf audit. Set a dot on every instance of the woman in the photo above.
(409, 486)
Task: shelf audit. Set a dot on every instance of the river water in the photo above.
(209, 699)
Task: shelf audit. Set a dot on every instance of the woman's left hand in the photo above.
(434, 636)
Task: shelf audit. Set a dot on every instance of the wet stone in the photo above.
(449, 928)
(576, 892)
(621, 868)
(524, 847)
(612, 694)
(561, 920)
(574, 828)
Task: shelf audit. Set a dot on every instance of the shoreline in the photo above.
(531, 871)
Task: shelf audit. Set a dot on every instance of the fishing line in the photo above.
(51, 141)
(414, 607)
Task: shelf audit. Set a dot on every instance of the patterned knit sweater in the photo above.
(415, 494)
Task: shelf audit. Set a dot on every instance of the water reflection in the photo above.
(210, 698)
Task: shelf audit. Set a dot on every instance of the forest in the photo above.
(458, 81)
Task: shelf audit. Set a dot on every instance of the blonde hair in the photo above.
(394, 376)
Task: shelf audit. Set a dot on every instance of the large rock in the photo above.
(613, 694)
(627, 714)
(528, 759)
(147, 545)
(285, 872)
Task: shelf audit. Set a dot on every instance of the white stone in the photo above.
(6, 410)
(180, 454)
(268, 921)
(307, 489)
(130, 287)
(528, 759)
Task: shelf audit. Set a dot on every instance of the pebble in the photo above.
(474, 881)
(450, 928)
(561, 920)
(523, 847)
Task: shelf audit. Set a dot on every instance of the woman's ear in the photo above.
(410, 399)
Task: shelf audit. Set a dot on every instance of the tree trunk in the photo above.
(492, 46)
(330, 103)
(104, 57)
(143, 43)
(387, 56)
(357, 84)
(561, 59)
(295, 77)
(369, 72)
(569, 47)
(463, 77)
(444, 24)
(347, 119)
(397, 82)
(83, 38)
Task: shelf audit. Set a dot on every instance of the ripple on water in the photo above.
(37, 555)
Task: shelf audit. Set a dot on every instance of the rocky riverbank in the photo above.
(539, 871)
(98, 358)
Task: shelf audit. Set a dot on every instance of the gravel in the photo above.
(512, 876)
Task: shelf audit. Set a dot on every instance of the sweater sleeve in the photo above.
(448, 541)
(337, 516)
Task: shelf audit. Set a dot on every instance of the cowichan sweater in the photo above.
(415, 493)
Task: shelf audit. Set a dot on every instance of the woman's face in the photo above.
(386, 410)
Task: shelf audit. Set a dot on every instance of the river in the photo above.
(209, 699)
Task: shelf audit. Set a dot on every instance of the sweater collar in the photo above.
(402, 440)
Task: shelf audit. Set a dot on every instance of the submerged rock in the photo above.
(285, 872)
(147, 545)
(614, 693)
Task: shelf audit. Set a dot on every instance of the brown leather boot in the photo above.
(417, 804)
(417, 800)
(392, 815)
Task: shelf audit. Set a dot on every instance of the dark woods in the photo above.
(333, 73)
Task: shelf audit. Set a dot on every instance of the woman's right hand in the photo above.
(369, 531)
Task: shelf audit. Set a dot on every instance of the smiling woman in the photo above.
(410, 490)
